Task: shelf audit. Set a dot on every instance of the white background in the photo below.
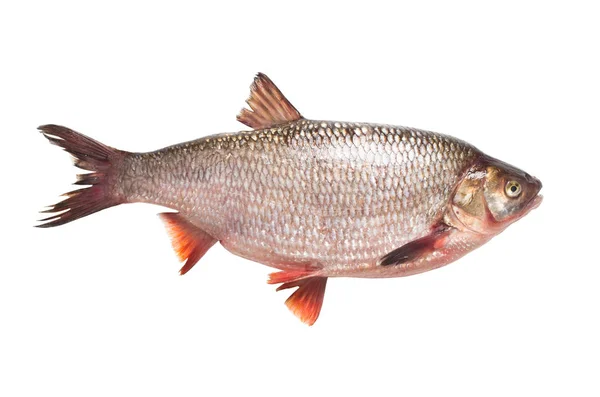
(96, 307)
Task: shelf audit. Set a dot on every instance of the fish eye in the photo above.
(513, 189)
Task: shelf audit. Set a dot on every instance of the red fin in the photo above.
(307, 300)
(269, 106)
(418, 248)
(189, 242)
(91, 155)
(285, 276)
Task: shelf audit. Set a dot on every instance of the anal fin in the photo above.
(307, 300)
(286, 276)
(189, 242)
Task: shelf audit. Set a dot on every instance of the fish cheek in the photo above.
(494, 193)
(468, 205)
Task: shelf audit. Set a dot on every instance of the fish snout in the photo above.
(538, 184)
(534, 182)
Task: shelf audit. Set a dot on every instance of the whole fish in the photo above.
(314, 199)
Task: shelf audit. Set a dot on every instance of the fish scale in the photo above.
(338, 194)
(315, 199)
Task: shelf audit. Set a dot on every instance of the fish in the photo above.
(314, 199)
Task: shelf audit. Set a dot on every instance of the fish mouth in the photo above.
(537, 199)
(533, 204)
(530, 206)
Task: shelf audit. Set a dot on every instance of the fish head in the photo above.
(493, 195)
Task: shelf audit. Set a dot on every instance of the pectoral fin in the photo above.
(418, 248)
(189, 242)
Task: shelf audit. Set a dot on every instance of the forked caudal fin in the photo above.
(90, 155)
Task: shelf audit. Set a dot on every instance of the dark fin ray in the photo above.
(93, 178)
(83, 148)
(91, 155)
(268, 106)
(417, 248)
(189, 242)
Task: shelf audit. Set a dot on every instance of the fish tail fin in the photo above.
(91, 155)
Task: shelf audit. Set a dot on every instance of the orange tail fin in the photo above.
(89, 155)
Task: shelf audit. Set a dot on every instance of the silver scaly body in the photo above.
(340, 195)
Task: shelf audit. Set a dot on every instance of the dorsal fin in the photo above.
(268, 106)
